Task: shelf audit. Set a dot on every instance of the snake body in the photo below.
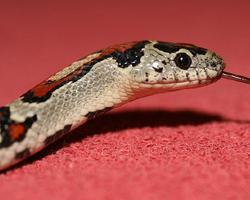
(95, 84)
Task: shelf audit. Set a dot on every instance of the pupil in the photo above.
(183, 61)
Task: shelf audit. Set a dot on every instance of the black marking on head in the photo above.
(197, 74)
(147, 75)
(159, 70)
(214, 64)
(6, 123)
(131, 56)
(92, 115)
(164, 62)
(57, 135)
(187, 75)
(206, 73)
(169, 47)
(23, 154)
(166, 47)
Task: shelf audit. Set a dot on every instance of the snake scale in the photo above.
(97, 83)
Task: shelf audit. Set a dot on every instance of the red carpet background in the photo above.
(192, 144)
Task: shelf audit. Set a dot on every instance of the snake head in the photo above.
(175, 66)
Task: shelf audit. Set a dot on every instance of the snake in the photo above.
(95, 84)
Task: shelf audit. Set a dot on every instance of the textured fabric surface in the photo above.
(192, 144)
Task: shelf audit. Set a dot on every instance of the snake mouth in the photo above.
(210, 77)
(173, 85)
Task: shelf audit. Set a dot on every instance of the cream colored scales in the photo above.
(99, 82)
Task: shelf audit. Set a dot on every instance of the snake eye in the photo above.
(183, 61)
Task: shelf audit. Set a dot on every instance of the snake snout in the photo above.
(215, 61)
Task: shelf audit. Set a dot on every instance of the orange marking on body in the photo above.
(15, 131)
(43, 88)
(46, 86)
(119, 47)
(187, 45)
